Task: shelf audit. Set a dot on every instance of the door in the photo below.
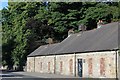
(80, 67)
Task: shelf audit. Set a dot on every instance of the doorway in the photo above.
(80, 67)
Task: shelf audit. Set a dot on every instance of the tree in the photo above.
(14, 37)
(100, 11)
(7, 39)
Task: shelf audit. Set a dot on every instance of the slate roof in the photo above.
(104, 38)
(43, 50)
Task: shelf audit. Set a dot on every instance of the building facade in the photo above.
(105, 64)
(92, 54)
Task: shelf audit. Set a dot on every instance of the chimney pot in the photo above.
(82, 27)
(71, 31)
(50, 40)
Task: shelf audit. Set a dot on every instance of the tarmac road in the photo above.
(12, 75)
(8, 75)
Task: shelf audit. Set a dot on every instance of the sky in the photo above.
(3, 3)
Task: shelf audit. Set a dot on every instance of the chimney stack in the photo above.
(100, 23)
(82, 27)
(50, 40)
(71, 31)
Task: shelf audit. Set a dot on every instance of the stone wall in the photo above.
(44, 64)
(39, 63)
(119, 66)
(98, 64)
(30, 64)
(95, 64)
(65, 64)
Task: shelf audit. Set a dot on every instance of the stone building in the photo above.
(91, 54)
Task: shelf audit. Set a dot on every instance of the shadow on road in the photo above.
(8, 73)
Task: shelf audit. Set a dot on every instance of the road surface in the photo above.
(7, 75)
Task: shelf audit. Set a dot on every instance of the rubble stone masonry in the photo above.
(95, 64)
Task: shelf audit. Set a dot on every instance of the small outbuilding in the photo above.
(93, 54)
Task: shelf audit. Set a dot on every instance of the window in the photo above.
(102, 66)
(61, 66)
(90, 66)
(48, 66)
(40, 65)
(71, 66)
